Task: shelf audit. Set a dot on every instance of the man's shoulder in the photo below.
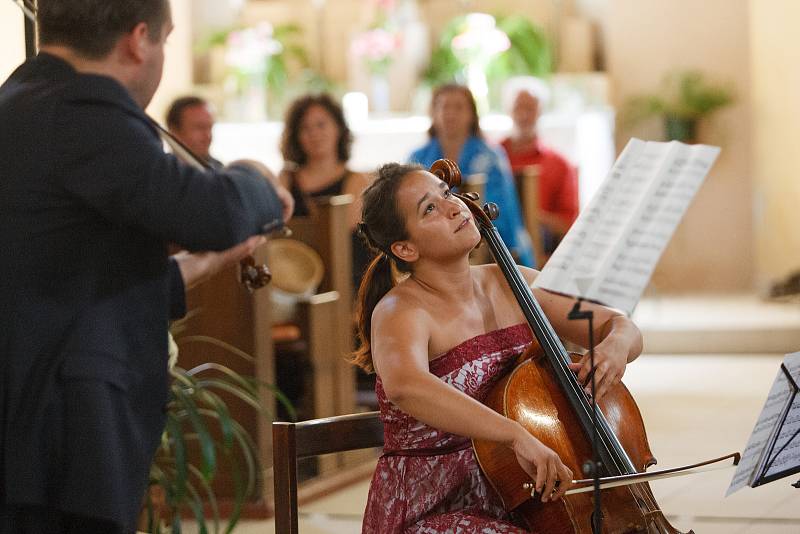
(425, 154)
(552, 155)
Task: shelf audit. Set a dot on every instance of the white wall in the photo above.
(12, 38)
(776, 135)
(713, 248)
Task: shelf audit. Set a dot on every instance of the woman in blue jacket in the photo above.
(455, 134)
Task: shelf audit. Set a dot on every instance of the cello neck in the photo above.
(612, 454)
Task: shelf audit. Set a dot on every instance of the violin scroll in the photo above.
(254, 276)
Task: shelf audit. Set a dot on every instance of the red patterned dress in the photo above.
(428, 481)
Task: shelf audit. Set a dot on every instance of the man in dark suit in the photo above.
(88, 204)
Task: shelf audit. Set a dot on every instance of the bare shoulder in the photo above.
(490, 274)
(400, 310)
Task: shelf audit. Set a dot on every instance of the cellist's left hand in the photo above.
(610, 359)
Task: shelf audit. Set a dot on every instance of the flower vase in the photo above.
(680, 129)
(379, 93)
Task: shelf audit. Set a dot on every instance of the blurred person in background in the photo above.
(316, 148)
(556, 178)
(455, 134)
(190, 119)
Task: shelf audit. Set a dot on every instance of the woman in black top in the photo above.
(316, 147)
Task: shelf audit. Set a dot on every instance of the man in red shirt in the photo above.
(557, 179)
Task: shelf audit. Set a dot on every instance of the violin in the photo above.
(543, 394)
(251, 275)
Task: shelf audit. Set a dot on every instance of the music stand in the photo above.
(768, 470)
(773, 450)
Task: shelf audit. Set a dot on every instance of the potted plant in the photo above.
(686, 97)
(194, 410)
(261, 63)
(507, 46)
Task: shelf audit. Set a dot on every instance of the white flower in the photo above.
(173, 352)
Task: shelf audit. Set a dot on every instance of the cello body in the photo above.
(530, 396)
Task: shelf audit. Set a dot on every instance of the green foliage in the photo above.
(278, 67)
(194, 411)
(285, 72)
(685, 95)
(530, 53)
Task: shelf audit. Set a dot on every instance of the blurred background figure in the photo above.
(556, 178)
(191, 120)
(455, 134)
(316, 146)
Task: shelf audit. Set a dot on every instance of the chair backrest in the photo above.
(326, 230)
(292, 441)
(528, 187)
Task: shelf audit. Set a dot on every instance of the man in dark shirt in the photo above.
(88, 203)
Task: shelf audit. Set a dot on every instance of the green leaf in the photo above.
(213, 341)
(182, 474)
(206, 441)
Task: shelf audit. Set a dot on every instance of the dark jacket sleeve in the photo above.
(177, 291)
(115, 162)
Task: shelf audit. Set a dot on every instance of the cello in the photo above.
(545, 397)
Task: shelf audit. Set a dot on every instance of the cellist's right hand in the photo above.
(543, 465)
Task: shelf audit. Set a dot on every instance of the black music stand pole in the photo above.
(591, 468)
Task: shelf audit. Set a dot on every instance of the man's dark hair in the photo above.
(175, 112)
(91, 27)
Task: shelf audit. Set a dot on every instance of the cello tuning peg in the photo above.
(472, 195)
(491, 210)
(530, 486)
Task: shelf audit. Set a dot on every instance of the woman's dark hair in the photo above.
(381, 224)
(475, 126)
(92, 27)
(291, 148)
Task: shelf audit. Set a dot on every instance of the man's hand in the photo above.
(283, 194)
(198, 266)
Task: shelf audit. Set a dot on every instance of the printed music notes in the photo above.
(773, 450)
(610, 252)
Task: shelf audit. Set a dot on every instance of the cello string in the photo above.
(550, 342)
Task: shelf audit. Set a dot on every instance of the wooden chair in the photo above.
(293, 441)
(528, 186)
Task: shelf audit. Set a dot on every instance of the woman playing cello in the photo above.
(438, 337)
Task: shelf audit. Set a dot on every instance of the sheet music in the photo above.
(754, 457)
(610, 252)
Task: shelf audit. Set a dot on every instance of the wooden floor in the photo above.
(695, 406)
